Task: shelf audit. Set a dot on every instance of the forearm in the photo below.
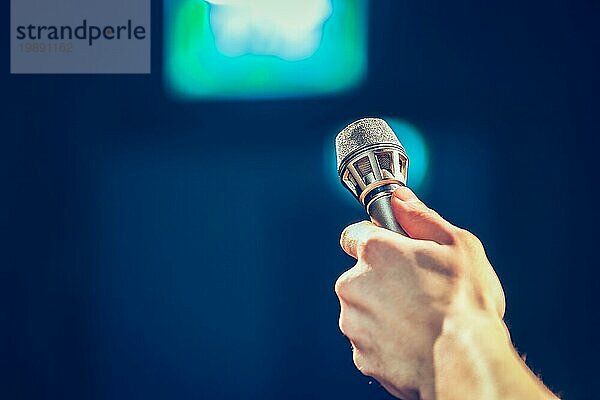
(474, 359)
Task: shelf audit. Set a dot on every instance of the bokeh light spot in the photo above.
(248, 49)
(416, 148)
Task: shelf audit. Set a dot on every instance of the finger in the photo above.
(418, 220)
(355, 235)
(356, 325)
(365, 237)
(356, 287)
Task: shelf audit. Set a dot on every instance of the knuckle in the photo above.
(343, 324)
(343, 285)
(353, 330)
(469, 239)
(362, 364)
(348, 327)
(340, 286)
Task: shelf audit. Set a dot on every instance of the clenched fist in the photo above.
(425, 313)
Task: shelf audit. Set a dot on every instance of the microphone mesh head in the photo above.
(361, 134)
(369, 156)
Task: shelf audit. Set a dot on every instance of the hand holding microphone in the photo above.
(422, 306)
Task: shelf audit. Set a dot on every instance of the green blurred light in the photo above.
(213, 52)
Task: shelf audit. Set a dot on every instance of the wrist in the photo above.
(474, 358)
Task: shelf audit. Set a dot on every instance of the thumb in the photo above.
(418, 220)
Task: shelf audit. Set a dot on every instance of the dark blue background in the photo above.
(155, 249)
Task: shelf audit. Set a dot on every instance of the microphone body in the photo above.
(371, 165)
(380, 210)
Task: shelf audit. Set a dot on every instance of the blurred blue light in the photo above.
(416, 148)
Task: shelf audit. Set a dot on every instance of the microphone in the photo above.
(372, 164)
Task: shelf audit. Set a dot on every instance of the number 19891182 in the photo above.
(46, 47)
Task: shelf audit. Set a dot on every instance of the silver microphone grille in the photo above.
(362, 134)
(369, 156)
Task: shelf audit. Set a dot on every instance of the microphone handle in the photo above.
(380, 211)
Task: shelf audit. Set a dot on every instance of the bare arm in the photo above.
(425, 314)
